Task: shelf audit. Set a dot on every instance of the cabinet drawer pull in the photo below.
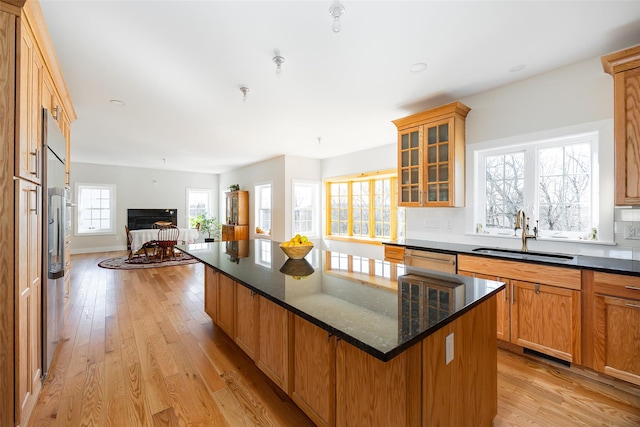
(633, 305)
(537, 288)
(633, 288)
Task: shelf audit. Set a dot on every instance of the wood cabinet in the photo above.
(28, 153)
(29, 296)
(471, 375)
(313, 386)
(211, 293)
(27, 57)
(8, 132)
(274, 343)
(624, 66)
(246, 320)
(370, 392)
(237, 216)
(431, 157)
(546, 319)
(541, 308)
(503, 305)
(617, 325)
(394, 253)
(226, 304)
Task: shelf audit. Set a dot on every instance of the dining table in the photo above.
(144, 235)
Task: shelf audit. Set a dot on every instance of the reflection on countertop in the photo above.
(355, 298)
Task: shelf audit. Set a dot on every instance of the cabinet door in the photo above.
(314, 372)
(211, 293)
(437, 162)
(246, 321)
(503, 308)
(617, 334)
(28, 152)
(546, 319)
(409, 167)
(627, 141)
(28, 282)
(274, 343)
(226, 303)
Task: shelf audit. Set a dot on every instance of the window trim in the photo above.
(112, 210)
(391, 174)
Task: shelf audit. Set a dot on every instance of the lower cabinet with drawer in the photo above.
(540, 308)
(617, 326)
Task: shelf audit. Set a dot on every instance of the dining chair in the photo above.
(167, 240)
(161, 224)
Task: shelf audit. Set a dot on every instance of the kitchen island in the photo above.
(359, 341)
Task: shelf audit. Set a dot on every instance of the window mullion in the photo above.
(350, 208)
(372, 210)
(393, 221)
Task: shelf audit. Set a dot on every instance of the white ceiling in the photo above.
(179, 66)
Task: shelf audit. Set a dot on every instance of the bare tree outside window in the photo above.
(564, 199)
(504, 189)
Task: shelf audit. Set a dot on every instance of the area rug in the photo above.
(123, 263)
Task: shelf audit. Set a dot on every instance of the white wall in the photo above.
(136, 188)
(568, 98)
(562, 101)
(372, 160)
(279, 172)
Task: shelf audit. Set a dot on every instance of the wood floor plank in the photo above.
(138, 350)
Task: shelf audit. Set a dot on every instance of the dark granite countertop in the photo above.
(365, 309)
(609, 265)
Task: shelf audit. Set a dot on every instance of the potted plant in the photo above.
(208, 225)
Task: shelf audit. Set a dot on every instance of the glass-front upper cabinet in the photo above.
(431, 157)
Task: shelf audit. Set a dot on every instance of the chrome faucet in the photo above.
(522, 221)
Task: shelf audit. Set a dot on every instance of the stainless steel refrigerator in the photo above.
(54, 208)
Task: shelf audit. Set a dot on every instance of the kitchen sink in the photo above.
(533, 256)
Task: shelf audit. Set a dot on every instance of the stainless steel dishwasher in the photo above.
(445, 263)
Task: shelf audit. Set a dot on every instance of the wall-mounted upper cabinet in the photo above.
(624, 66)
(431, 157)
(28, 151)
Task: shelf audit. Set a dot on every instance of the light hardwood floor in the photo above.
(140, 351)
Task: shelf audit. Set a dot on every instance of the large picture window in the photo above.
(551, 180)
(364, 207)
(96, 209)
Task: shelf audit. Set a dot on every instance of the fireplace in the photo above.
(144, 218)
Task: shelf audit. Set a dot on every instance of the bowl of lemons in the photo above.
(297, 247)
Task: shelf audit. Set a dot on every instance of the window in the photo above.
(551, 180)
(263, 209)
(364, 207)
(198, 203)
(96, 208)
(306, 208)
